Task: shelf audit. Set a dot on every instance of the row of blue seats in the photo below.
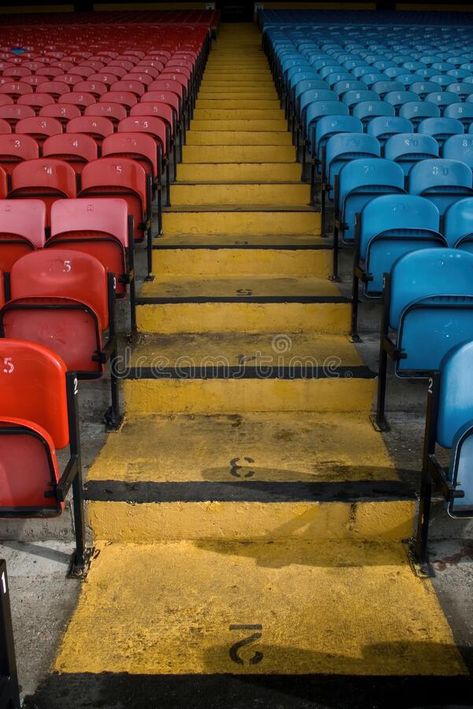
(366, 105)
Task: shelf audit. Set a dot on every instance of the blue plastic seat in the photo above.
(382, 127)
(459, 147)
(449, 424)
(359, 181)
(341, 87)
(366, 110)
(391, 226)
(430, 307)
(371, 78)
(351, 98)
(408, 148)
(428, 310)
(462, 112)
(442, 181)
(342, 148)
(458, 225)
(398, 98)
(440, 128)
(442, 98)
(312, 95)
(316, 111)
(460, 89)
(331, 125)
(442, 80)
(422, 88)
(384, 87)
(416, 111)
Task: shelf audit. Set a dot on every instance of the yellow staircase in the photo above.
(247, 518)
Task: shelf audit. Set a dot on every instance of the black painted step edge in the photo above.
(247, 491)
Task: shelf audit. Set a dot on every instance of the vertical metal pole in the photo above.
(7, 646)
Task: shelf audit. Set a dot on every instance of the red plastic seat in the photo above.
(16, 72)
(77, 149)
(97, 226)
(63, 112)
(77, 98)
(96, 127)
(22, 229)
(36, 100)
(30, 432)
(121, 177)
(15, 89)
(105, 77)
(6, 100)
(124, 98)
(114, 111)
(140, 76)
(156, 127)
(96, 88)
(134, 87)
(53, 88)
(49, 72)
(46, 179)
(137, 146)
(39, 128)
(5, 127)
(16, 148)
(59, 299)
(13, 113)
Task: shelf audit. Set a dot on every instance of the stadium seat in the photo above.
(46, 179)
(449, 424)
(440, 128)
(39, 128)
(63, 299)
(81, 99)
(387, 228)
(462, 112)
(382, 127)
(459, 147)
(62, 112)
(12, 113)
(156, 128)
(442, 181)
(97, 127)
(416, 111)
(30, 434)
(5, 127)
(101, 228)
(409, 148)
(16, 148)
(22, 229)
(125, 178)
(77, 149)
(366, 110)
(428, 306)
(458, 224)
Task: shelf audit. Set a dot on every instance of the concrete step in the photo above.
(250, 305)
(267, 194)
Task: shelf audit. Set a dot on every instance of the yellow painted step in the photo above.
(217, 114)
(239, 153)
(225, 138)
(242, 223)
(227, 396)
(221, 262)
(278, 125)
(259, 447)
(267, 194)
(253, 103)
(179, 608)
(238, 172)
(239, 94)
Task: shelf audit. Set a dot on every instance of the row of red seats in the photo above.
(68, 223)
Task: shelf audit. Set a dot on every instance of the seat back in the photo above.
(390, 226)
(29, 371)
(39, 127)
(76, 149)
(114, 111)
(119, 177)
(415, 111)
(366, 110)
(343, 147)
(44, 178)
(361, 180)
(22, 229)
(431, 306)
(381, 127)
(136, 146)
(458, 224)
(462, 112)
(441, 180)
(409, 148)
(59, 298)
(151, 125)
(459, 147)
(97, 127)
(16, 148)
